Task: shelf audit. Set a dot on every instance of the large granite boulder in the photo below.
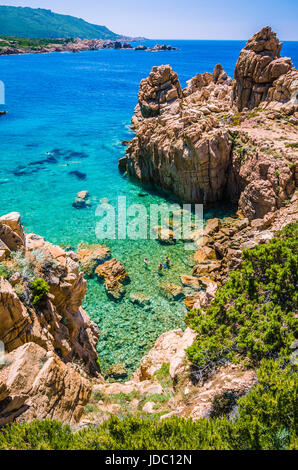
(90, 256)
(159, 92)
(205, 145)
(258, 66)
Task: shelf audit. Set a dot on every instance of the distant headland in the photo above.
(14, 45)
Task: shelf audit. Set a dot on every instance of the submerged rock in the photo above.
(139, 298)
(171, 291)
(82, 200)
(164, 235)
(115, 277)
(190, 281)
(91, 256)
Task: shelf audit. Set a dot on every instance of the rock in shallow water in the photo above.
(171, 291)
(117, 371)
(115, 277)
(82, 200)
(140, 298)
(91, 256)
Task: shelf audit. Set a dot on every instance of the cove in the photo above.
(78, 108)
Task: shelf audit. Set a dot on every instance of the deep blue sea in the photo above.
(78, 107)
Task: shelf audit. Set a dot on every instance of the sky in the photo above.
(181, 19)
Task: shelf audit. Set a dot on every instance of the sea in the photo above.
(67, 117)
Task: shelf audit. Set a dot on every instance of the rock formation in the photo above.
(159, 93)
(36, 384)
(166, 374)
(115, 277)
(258, 66)
(90, 256)
(196, 144)
(51, 329)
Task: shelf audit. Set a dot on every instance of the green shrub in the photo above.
(223, 404)
(268, 415)
(136, 433)
(293, 145)
(38, 435)
(3, 271)
(236, 119)
(252, 315)
(39, 288)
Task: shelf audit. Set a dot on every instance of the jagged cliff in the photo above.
(210, 142)
(49, 340)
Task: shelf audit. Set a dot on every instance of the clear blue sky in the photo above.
(178, 19)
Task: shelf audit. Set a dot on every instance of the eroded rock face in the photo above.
(58, 323)
(258, 66)
(284, 93)
(178, 146)
(15, 319)
(36, 384)
(169, 348)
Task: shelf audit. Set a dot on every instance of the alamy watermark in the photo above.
(162, 222)
(294, 96)
(2, 354)
(2, 93)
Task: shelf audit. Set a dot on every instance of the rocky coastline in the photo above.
(49, 340)
(14, 46)
(221, 139)
(218, 139)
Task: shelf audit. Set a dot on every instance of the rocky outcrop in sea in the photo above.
(221, 139)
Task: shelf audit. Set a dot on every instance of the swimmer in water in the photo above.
(146, 263)
(167, 262)
(159, 269)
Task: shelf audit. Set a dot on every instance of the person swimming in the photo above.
(167, 264)
(146, 263)
(159, 269)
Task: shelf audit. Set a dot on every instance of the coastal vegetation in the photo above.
(40, 23)
(31, 44)
(253, 315)
(40, 289)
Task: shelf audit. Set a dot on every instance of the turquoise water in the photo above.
(79, 106)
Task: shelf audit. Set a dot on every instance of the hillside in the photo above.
(40, 23)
